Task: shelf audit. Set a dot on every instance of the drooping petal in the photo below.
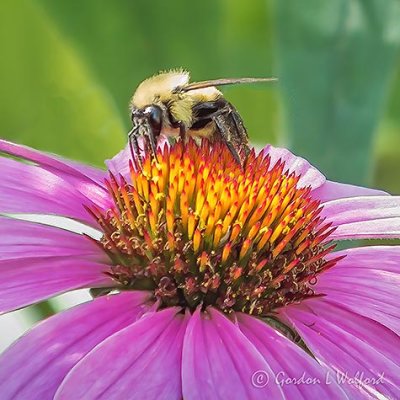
(35, 365)
(60, 166)
(310, 176)
(23, 239)
(86, 180)
(364, 217)
(367, 281)
(30, 280)
(295, 371)
(357, 348)
(30, 189)
(219, 362)
(334, 190)
(142, 361)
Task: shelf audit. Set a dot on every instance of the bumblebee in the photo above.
(169, 104)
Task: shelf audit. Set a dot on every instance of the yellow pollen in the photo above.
(196, 240)
(203, 260)
(191, 224)
(245, 248)
(226, 251)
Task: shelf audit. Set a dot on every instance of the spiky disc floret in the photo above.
(196, 228)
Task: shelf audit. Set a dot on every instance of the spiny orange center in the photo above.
(196, 228)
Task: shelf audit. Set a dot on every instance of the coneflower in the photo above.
(211, 280)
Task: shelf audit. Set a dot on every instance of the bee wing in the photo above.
(224, 81)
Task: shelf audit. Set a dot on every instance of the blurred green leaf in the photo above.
(49, 98)
(387, 149)
(335, 62)
(246, 50)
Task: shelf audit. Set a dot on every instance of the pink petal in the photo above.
(22, 239)
(360, 284)
(142, 361)
(335, 190)
(119, 164)
(61, 167)
(310, 176)
(35, 365)
(299, 375)
(366, 258)
(350, 344)
(219, 362)
(30, 189)
(364, 217)
(30, 280)
(88, 181)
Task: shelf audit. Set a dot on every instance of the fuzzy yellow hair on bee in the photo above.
(162, 89)
(168, 104)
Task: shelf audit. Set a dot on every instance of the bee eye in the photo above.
(155, 118)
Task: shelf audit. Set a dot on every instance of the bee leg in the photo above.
(229, 124)
(153, 144)
(225, 135)
(241, 131)
(135, 151)
(182, 132)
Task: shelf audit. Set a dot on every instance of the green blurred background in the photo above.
(68, 69)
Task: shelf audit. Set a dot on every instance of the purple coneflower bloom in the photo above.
(213, 281)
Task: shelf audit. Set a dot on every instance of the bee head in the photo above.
(157, 101)
(146, 118)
